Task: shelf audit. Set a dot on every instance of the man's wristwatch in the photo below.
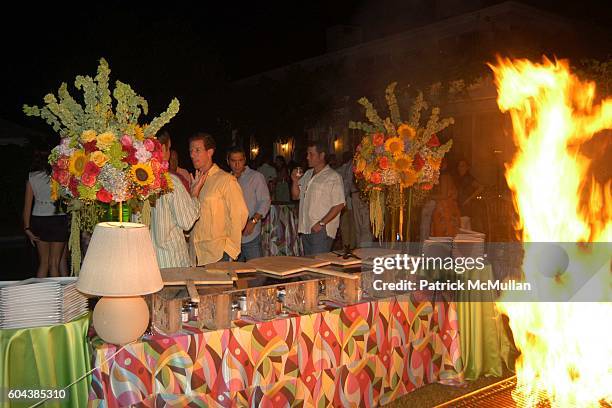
(321, 223)
(254, 220)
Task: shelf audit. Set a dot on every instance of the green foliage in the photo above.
(70, 119)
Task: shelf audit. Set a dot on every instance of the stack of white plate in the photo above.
(469, 244)
(40, 302)
(74, 303)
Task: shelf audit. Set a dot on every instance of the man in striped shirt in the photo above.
(174, 213)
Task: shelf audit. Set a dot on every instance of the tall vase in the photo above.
(112, 212)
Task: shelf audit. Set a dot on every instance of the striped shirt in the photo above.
(174, 212)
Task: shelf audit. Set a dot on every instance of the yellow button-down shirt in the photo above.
(223, 215)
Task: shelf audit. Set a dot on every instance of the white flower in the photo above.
(142, 154)
(64, 147)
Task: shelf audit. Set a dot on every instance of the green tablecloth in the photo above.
(46, 358)
(485, 347)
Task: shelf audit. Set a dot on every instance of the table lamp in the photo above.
(120, 265)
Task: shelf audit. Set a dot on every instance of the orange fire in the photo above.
(566, 351)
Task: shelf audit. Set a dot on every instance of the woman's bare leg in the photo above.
(55, 255)
(43, 259)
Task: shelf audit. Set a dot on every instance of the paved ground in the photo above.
(435, 394)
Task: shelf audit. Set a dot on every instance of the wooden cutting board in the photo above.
(335, 259)
(285, 265)
(230, 267)
(199, 276)
(368, 254)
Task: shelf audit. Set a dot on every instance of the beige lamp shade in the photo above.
(120, 261)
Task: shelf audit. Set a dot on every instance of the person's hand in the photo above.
(296, 174)
(197, 182)
(248, 228)
(316, 228)
(33, 238)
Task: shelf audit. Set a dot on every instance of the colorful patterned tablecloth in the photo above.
(360, 355)
(279, 231)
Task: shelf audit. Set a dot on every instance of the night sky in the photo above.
(191, 52)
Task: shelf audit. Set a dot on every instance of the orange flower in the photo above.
(383, 163)
(378, 139)
(375, 178)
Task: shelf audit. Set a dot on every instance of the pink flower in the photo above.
(88, 179)
(126, 140)
(63, 162)
(158, 155)
(149, 145)
(62, 176)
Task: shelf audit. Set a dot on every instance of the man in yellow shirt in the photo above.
(216, 236)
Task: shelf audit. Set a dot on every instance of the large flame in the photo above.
(566, 351)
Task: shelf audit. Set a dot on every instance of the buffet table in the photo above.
(365, 354)
(279, 231)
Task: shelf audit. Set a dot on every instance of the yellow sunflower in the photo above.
(408, 178)
(142, 174)
(394, 145)
(78, 160)
(403, 163)
(406, 132)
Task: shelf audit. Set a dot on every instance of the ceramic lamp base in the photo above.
(120, 320)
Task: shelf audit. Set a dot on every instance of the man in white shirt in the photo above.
(173, 213)
(321, 194)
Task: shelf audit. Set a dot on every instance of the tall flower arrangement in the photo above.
(105, 155)
(396, 155)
